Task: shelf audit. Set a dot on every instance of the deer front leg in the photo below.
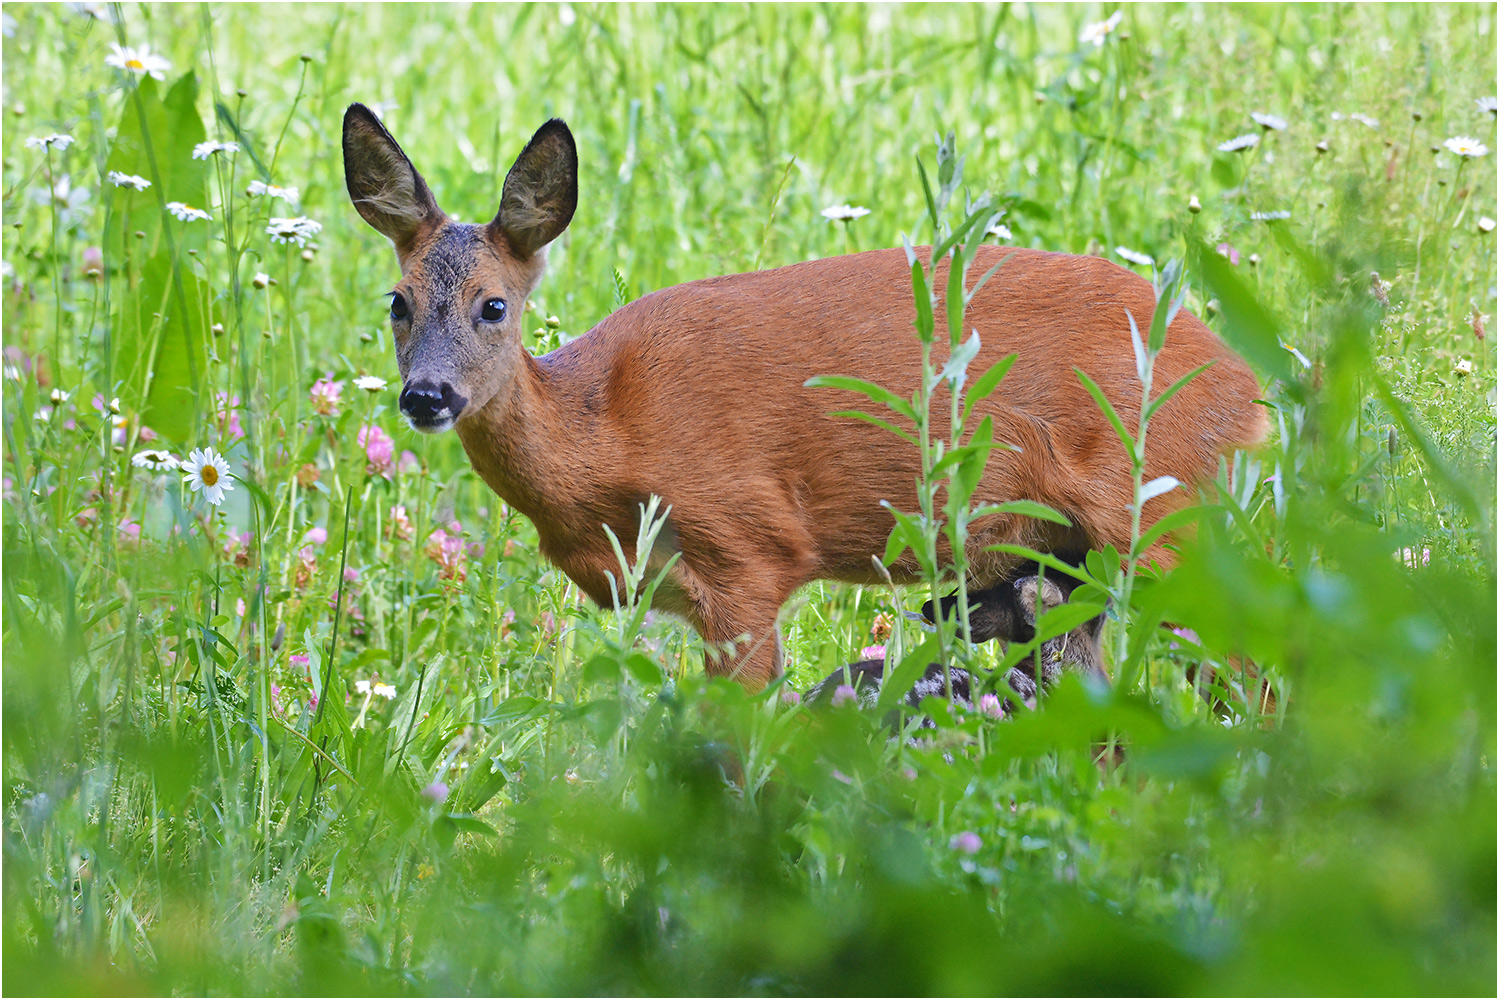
(744, 645)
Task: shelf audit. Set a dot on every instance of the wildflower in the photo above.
(437, 792)
(1466, 146)
(351, 575)
(400, 526)
(447, 551)
(384, 691)
(1000, 231)
(1322, 147)
(298, 230)
(1302, 358)
(59, 396)
(843, 213)
(185, 212)
(880, 630)
(966, 843)
(131, 530)
(258, 188)
(261, 280)
(317, 535)
(1379, 288)
(1485, 224)
(325, 396)
(55, 139)
(408, 462)
(370, 383)
(547, 623)
(1268, 122)
(1485, 104)
(237, 547)
(208, 473)
(300, 660)
(843, 694)
(307, 565)
(228, 414)
(1135, 257)
(989, 705)
(1476, 319)
(1184, 633)
(1365, 120)
(306, 475)
(1239, 143)
(1275, 216)
(1463, 367)
(876, 652)
(790, 697)
(379, 449)
(154, 459)
(208, 148)
(1098, 31)
(141, 60)
(1194, 205)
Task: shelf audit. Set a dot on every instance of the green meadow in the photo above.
(332, 725)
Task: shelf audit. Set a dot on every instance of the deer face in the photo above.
(456, 312)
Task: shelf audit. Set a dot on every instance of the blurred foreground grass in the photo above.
(503, 794)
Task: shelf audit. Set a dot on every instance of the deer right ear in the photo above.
(385, 188)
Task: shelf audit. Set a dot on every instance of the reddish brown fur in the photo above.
(695, 393)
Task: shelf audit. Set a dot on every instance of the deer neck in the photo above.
(519, 443)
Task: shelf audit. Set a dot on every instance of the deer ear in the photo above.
(384, 186)
(541, 191)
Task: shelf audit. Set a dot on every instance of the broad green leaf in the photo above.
(1171, 390)
(1109, 412)
(1248, 326)
(877, 393)
(987, 383)
(1031, 509)
(958, 362)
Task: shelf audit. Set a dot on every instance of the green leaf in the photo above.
(1168, 523)
(1248, 326)
(899, 679)
(877, 393)
(987, 383)
(1109, 412)
(860, 415)
(1171, 390)
(922, 296)
(247, 145)
(958, 362)
(1028, 508)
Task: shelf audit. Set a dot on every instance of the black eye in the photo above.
(399, 309)
(493, 311)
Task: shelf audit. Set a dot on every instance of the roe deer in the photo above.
(695, 393)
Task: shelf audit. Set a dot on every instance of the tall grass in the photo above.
(349, 732)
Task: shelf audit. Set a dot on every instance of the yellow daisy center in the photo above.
(209, 475)
(135, 64)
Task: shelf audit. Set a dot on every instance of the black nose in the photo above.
(426, 403)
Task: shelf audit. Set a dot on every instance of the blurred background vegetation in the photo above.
(348, 733)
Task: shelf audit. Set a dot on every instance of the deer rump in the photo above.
(696, 393)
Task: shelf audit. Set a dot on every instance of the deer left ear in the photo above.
(541, 191)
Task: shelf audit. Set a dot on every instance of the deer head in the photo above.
(456, 312)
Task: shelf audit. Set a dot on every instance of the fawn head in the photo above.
(456, 312)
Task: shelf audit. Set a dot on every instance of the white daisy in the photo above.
(1466, 146)
(59, 396)
(298, 230)
(1135, 256)
(370, 383)
(843, 213)
(204, 150)
(1270, 216)
(154, 459)
(141, 60)
(1485, 224)
(186, 212)
(1463, 367)
(1365, 120)
(1000, 231)
(258, 188)
(1238, 143)
(1099, 30)
(1486, 104)
(383, 690)
(1268, 122)
(1302, 358)
(362, 686)
(55, 139)
(132, 181)
(261, 279)
(208, 473)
